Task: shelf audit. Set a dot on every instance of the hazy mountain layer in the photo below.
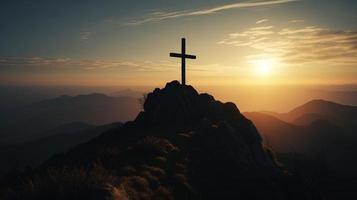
(34, 121)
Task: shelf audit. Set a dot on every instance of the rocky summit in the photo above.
(183, 145)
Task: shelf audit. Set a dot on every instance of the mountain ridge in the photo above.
(343, 116)
(318, 128)
(32, 121)
(183, 145)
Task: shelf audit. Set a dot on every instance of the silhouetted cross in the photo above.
(183, 57)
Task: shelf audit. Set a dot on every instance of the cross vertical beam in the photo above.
(183, 61)
(183, 57)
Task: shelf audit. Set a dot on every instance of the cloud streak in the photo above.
(261, 21)
(163, 16)
(70, 63)
(96, 65)
(305, 45)
(85, 35)
(297, 21)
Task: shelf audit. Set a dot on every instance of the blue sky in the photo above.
(133, 38)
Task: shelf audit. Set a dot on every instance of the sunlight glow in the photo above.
(264, 67)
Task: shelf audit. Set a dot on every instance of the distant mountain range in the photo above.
(127, 93)
(33, 121)
(31, 133)
(288, 137)
(338, 114)
(317, 127)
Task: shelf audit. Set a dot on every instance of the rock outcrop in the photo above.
(181, 108)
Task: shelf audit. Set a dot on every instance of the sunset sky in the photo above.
(127, 42)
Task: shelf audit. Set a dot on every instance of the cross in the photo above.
(183, 57)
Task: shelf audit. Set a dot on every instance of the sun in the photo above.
(264, 66)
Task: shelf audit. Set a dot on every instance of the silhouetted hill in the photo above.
(184, 145)
(308, 118)
(320, 151)
(319, 137)
(287, 137)
(280, 135)
(33, 121)
(338, 114)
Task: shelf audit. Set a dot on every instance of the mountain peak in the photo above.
(320, 101)
(324, 104)
(182, 105)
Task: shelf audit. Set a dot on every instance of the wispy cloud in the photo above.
(85, 35)
(96, 64)
(107, 65)
(255, 34)
(162, 16)
(303, 45)
(297, 21)
(70, 63)
(261, 21)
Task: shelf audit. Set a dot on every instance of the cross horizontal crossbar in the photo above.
(183, 57)
(178, 55)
